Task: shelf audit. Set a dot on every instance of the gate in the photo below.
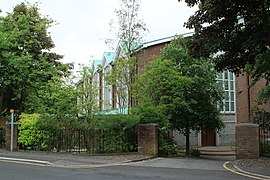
(2, 137)
(264, 138)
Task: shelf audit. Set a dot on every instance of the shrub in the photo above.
(167, 146)
(29, 135)
(115, 121)
(111, 133)
(195, 153)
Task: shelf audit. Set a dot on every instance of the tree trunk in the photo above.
(187, 141)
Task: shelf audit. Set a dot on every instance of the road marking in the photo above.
(48, 164)
(23, 162)
(246, 174)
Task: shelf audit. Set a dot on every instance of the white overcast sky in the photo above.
(84, 24)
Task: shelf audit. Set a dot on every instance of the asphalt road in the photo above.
(137, 171)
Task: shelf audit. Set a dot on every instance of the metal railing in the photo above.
(2, 138)
(90, 141)
(264, 138)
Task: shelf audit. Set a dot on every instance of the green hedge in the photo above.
(38, 132)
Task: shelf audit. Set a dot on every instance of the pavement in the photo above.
(255, 169)
(68, 160)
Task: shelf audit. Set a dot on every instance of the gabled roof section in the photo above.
(109, 56)
(123, 47)
(133, 45)
(163, 40)
(97, 63)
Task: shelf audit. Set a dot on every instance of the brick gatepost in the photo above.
(148, 139)
(15, 136)
(247, 141)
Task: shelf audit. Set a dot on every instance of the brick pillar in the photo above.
(148, 139)
(8, 136)
(247, 141)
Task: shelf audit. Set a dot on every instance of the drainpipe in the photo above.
(249, 104)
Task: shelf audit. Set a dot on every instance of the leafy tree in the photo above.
(26, 60)
(54, 97)
(130, 33)
(186, 87)
(237, 32)
(87, 91)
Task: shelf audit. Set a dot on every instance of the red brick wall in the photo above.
(148, 54)
(148, 139)
(145, 56)
(246, 98)
(247, 141)
(242, 102)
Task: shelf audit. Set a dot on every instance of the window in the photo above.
(227, 79)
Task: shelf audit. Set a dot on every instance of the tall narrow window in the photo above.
(227, 79)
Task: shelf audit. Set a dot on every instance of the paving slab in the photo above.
(72, 160)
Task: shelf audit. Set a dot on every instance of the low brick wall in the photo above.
(247, 141)
(148, 139)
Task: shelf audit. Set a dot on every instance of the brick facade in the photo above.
(247, 141)
(147, 55)
(246, 98)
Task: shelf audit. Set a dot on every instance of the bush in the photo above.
(115, 121)
(195, 153)
(30, 135)
(37, 132)
(112, 133)
(167, 146)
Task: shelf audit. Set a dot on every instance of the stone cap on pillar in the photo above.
(248, 124)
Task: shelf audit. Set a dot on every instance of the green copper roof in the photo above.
(97, 63)
(133, 45)
(109, 56)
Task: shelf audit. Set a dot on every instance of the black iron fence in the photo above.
(264, 137)
(2, 138)
(89, 141)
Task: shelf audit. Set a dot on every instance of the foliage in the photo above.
(264, 95)
(237, 34)
(115, 121)
(130, 33)
(55, 97)
(87, 91)
(120, 77)
(149, 113)
(131, 27)
(26, 60)
(168, 147)
(50, 132)
(30, 135)
(261, 117)
(38, 131)
(195, 153)
(186, 87)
